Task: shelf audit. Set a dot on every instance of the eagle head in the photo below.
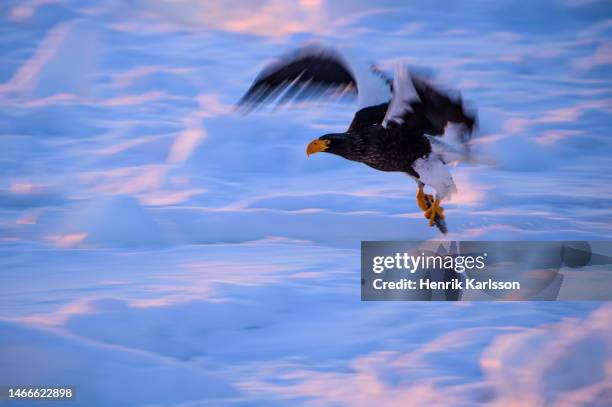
(334, 143)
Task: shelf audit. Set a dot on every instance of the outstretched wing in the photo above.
(317, 71)
(307, 72)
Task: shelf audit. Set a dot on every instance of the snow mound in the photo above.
(117, 221)
(565, 364)
(101, 374)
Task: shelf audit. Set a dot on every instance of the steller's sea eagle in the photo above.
(394, 128)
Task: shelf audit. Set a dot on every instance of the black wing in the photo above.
(309, 71)
(439, 109)
(417, 103)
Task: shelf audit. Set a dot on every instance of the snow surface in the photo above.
(159, 249)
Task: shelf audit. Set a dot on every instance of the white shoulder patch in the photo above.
(404, 94)
(433, 172)
(372, 90)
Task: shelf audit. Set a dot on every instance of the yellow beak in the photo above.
(316, 146)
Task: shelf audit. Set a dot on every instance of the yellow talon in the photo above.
(435, 211)
(422, 199)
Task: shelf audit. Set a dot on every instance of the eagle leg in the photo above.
(436, 211)
(423, 200)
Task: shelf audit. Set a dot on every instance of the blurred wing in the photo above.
(308, 72)
(374, 101)
(404, 96)
(415, 102)
(441, 109)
